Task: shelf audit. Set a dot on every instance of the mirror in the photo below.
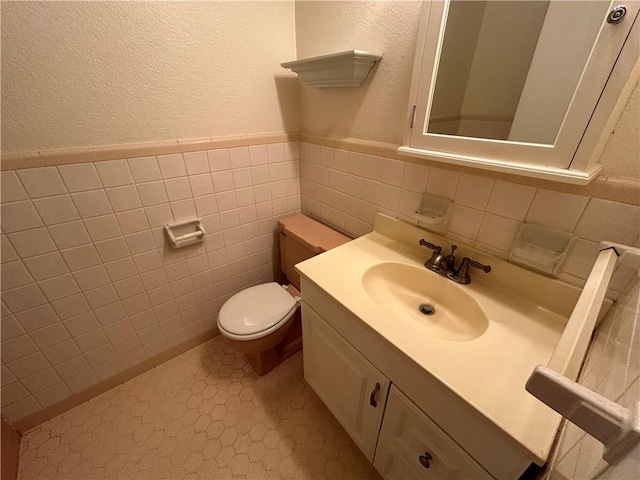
(508, 70)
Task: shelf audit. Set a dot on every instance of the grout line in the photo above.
(582, 213)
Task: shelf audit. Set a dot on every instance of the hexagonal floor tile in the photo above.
(202, 415)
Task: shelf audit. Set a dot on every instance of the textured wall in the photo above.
(118, 72)
(621, 156)
(377, 110)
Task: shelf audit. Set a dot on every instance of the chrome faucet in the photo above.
(445, 265)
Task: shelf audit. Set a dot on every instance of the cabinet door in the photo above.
(353, 389)
(411, 446)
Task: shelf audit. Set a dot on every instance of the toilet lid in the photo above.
(255, 309)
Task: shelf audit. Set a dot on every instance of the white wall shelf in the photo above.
(344, 69)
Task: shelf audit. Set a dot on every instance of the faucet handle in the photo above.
(424, 243)
(461, 275)
(480, 266)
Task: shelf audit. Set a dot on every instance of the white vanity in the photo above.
(442, 395)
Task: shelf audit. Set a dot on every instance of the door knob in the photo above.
(424, 459)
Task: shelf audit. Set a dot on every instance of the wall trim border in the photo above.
(616, 189)
(66, 156)
(24, 425)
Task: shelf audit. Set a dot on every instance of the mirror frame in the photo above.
(573, 157)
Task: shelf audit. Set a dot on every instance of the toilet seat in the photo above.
(256, 312)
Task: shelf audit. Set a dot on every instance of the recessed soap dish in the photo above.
(433, 212)
(541, 248)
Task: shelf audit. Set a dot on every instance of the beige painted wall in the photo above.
(377, 110)
(95, 73)
(621, 155)
(103, 73)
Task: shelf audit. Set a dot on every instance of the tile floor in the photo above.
(202, 415)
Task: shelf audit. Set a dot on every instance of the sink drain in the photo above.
(426, 309)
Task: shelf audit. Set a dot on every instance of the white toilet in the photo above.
(263, 322)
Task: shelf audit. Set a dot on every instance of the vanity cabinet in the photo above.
(350, 386)
(392, 432)
(411, 446)
(344, 359)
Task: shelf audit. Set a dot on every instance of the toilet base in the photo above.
(266, 353)
(264, 362)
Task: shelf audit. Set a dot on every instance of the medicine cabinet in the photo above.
(522, 87)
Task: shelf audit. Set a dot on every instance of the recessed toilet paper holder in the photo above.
(182, 234)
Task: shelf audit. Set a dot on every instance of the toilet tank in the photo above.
(302, 238)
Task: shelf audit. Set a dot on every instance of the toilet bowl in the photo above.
(263, 321)
(257, 317)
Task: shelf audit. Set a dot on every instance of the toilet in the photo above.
(263, 321)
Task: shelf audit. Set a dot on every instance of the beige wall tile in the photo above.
(48, 336)
(510, 200)
(55, 210)
(114, 173)
(46, 266)
(19, 216)
(144, 169)
(12, 189)
(123, 198)
(606, 220)
(92, 204)
(14, 274)
(42, 182)
(80, 177)
(69, 234)
(23, 298)
(172, 165)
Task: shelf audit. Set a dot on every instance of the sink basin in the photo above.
(401, 289)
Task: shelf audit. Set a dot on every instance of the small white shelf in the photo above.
(344, 69)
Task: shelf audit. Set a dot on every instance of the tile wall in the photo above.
(346, 189)
(89, 288)
(612, 369)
